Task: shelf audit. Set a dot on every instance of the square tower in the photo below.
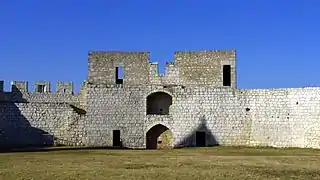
(128, 68)
(214, 68)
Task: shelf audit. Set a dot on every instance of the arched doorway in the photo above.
(159, 137)
(159, 103)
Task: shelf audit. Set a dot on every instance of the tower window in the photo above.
(226, 75)
(119, 75)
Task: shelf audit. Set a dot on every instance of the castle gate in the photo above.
(159, 137)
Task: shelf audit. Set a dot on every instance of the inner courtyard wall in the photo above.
(255, 117)
(200, 103)
(41, 119)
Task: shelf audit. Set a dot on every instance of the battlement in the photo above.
(196, 95)
(154, 68)
(43, 87)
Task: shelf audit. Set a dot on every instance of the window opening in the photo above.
(41, 88)
(119, 75)
(226, 75)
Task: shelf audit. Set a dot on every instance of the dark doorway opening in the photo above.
(119, 75)
(158, 137)
(116, 138)
(200, 139)
(159, 103)
(226, 75)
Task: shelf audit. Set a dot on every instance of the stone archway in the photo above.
(159, 137)
(159, 103)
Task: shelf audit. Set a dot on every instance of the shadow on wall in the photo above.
(201, 136)
(15, 129)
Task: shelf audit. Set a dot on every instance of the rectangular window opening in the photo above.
(226, 75)
(116, 138)
(41, 88)
(119, 75)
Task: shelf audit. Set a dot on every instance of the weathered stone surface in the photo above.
(192, 99)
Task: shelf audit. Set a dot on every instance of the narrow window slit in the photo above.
(119, 75)
(226, 75)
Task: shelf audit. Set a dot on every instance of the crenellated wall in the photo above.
(170, 77)
(41, 118)
(188, 99)
(19, 93)
(40, 87)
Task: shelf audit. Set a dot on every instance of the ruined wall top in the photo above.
(203, 67)
(41, 92)
(40, 87)
(102, 67)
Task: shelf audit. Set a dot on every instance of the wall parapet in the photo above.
(62, 87)
(170, 76)
(41, 93)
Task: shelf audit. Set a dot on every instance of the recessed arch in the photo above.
(159, 103)
(159, 137)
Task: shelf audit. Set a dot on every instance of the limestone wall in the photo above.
(192, 109)
(216, 111)
(115, 108)
(170, 77)
(102, 67)
(264, 117)
(38, 97)
(202, 68)
(284, 117)
(48, 118)
(205, 68)
(39, 124)
(200, 103)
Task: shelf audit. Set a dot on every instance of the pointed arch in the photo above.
(158, 137)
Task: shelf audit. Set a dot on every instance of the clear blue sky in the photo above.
(277, 41)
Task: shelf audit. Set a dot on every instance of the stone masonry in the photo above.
(195, 103)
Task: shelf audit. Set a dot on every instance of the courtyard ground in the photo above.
(189, 163)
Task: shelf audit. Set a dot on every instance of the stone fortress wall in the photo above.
(41, 117)
(195, 103)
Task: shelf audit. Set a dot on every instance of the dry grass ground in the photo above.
(184, 164)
